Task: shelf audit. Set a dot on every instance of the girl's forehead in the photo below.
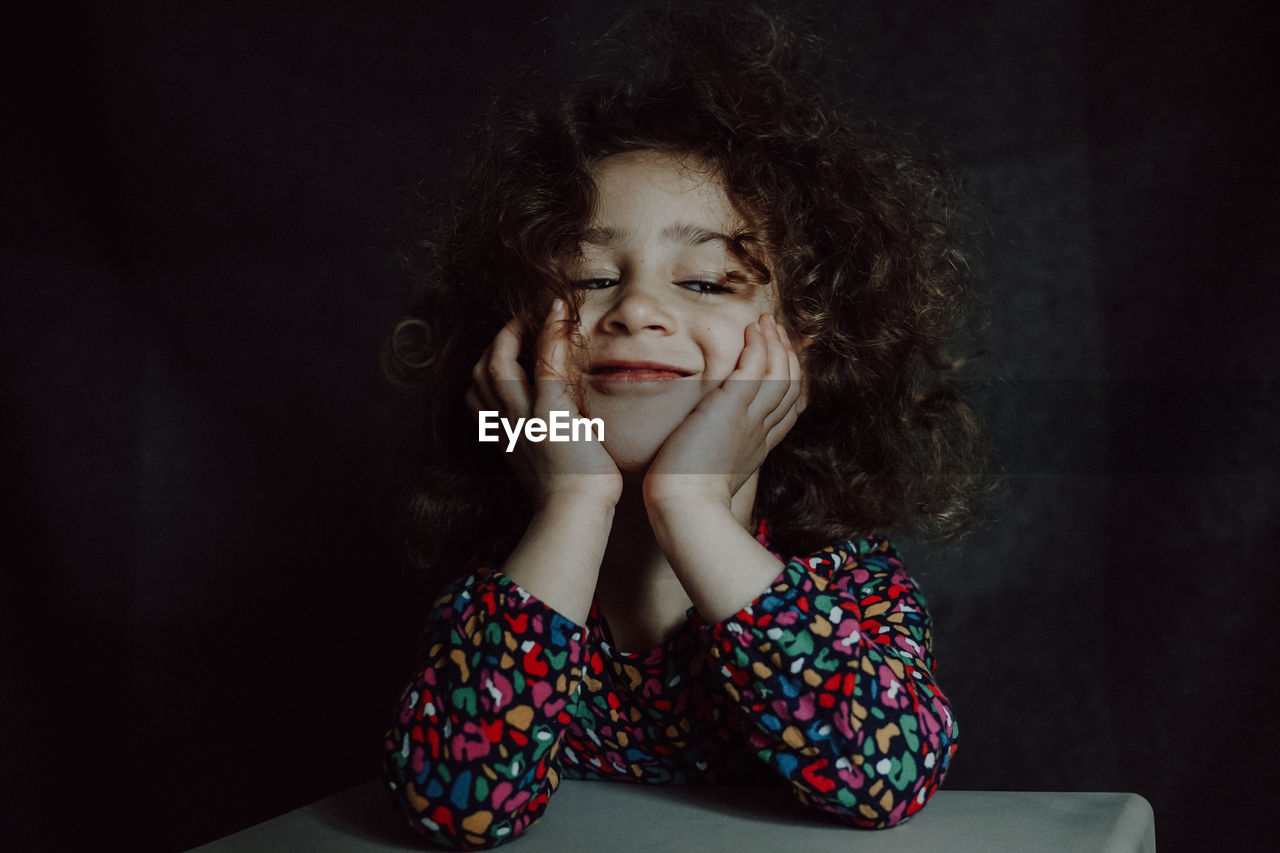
(647, 184)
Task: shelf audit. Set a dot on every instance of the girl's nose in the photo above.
(638, 308)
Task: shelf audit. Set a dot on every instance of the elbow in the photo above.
(876, 792)
(427, 818)
(441, 823)
(463, 813)
(868, 809)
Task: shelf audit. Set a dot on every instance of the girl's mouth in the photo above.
(635, 371)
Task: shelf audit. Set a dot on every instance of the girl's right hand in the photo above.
(550, 471)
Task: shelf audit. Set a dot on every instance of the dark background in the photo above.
(204, 613)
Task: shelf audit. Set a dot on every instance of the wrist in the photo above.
(557, 560)
(580, 492)
(583, 505)
(686, 502)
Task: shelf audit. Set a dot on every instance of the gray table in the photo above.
(618, 818)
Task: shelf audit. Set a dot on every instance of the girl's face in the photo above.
(666, 302)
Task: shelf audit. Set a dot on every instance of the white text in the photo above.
(560, 427)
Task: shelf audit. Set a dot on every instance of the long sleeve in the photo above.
(471, 758)
(832, 671)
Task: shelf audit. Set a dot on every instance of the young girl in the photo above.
(751, 295)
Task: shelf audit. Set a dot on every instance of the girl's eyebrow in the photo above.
(680, 232)
(601, 236)
(692, 235)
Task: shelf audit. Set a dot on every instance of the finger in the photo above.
(743, 383)
(508, 378)
(766, 407)
(779, 430)
(778, 372)
(550, 358)
(778, 367)
(794, 377)
(753, 360)
(791, 400)
(799, 382)
(788, 411)
(481, 384)
(551, 371)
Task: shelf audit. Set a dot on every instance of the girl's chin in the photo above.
(632, 457)
(634, 431)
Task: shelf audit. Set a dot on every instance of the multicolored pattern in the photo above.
(824, 682)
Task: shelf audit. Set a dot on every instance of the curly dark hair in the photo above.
(858, 232)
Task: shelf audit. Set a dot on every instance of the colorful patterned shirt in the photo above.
(823, 683)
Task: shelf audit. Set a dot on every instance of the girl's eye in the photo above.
(693, 285)
(705, 287)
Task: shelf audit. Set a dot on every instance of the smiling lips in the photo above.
(635, 371)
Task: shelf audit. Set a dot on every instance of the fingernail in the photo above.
(556, 305)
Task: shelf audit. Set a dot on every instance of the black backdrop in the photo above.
(204, 616)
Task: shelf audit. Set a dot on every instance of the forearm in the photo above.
(832, 674)
(721, 566)
(864, 742)
(558, 558)
(471, 752)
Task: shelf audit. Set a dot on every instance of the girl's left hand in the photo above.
(726, 438)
